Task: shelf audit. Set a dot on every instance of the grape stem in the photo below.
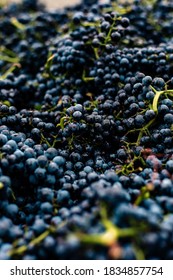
(157, 96)
(22, 249)
(110, 235)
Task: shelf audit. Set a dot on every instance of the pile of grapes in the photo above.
(86, 131)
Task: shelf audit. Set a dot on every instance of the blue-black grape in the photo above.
(86, 127)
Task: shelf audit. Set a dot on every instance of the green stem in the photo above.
(22, 249)
(110, 236)
(10, 70)
(43, 138)
(6, 51)
(143, 195)
(40, 238)
(62, 122)
(145, 128)
(157, 96)
(104, 239)
(156, 99)
(108, 37)
(86, 79)
(127, 232)
(91, 24)
(9, 59)
(96, 53)
(139, 253)
(17, 24)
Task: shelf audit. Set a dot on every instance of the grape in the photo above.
(86, 129)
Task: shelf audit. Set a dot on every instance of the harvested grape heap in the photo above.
(86, 131)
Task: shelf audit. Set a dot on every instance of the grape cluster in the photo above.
(86, 131)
